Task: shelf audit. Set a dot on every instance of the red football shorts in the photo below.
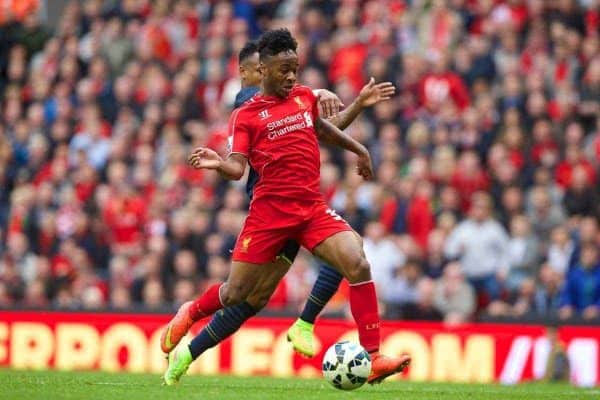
(272, 222)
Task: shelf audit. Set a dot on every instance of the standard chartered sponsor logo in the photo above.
(288, 124)
(284, 121)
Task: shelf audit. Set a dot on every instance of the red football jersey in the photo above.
(279, 139)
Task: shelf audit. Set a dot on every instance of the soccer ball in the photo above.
(346, 365)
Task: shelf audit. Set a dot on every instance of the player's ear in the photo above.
(243, 72)
(262, 68)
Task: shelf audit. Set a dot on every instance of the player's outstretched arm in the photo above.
(231, 168)
(330, 134)
(369, 95)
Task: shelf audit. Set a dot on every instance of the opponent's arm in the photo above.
(345, 117)
(329, 103)
(330, 134)
(231, 168)
(369, 95)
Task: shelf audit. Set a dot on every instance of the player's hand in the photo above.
(372, 93)
(364, 166)
(205, 158)
(329, 104)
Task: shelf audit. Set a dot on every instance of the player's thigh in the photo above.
(242, 279)
(273, 273)
(344, 252)
(268, 280)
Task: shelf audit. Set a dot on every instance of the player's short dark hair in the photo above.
(276, 41)
(247, 51)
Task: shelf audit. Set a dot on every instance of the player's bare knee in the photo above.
(233, 294)
(231, 299)
(360, 272)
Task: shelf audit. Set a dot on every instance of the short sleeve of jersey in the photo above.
(239, 134)
(313, 101)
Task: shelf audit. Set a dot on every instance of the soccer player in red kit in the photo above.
(277, 131)
(300, 334)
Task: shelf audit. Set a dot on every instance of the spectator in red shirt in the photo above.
(419, 219)
(348, 61)
(469, 178)
(574, 157)
(124, 215)
(442, 85)
(124, 212)
(545, 148)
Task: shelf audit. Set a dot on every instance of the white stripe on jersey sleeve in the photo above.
(231, 131)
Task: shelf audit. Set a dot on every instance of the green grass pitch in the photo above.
(27, 385)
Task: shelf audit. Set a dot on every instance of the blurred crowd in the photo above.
(486, 199)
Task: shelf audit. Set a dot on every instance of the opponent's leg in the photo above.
(227, 321)
(344, 251)
(223, 324)
(327, 283)
(242, 279)
(301, 333)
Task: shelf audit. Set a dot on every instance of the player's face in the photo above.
(279, 73)
(249, 71)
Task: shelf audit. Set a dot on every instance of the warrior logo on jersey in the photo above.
(264, 114)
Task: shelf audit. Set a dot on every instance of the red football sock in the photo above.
(207, 303)
(363, 304)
